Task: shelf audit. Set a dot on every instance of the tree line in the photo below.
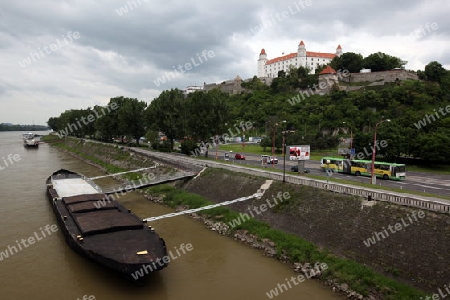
(18, 127)
(189, 119)
(318, 120)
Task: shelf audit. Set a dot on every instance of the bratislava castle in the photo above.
(311, 60)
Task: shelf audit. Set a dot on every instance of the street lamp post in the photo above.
(284, 156)
(283, 144)
(216, 142)
(328, 169)
(274, 130)
(374, 178)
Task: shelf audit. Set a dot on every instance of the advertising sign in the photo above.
(298, 152)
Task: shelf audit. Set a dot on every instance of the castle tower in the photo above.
(338, 51)
(261, 63)
(301, 50)
(327, 79)
(301, 54)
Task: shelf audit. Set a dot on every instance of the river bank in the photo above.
(300, 254)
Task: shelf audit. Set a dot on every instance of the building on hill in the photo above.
(301, 58)
(231, 87)
(192, 88)
(328, 78)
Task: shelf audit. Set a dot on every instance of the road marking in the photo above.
(400, 182)
(427, 186)
(429, 180)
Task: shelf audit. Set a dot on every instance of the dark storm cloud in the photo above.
(123, 53)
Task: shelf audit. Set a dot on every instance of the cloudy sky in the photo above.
(69, 54)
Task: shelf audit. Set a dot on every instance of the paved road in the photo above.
(437, 184)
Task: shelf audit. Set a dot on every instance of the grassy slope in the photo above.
(359, 278)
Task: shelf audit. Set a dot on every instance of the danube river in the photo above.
(44, 267)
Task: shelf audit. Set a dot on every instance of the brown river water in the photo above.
(46, 268)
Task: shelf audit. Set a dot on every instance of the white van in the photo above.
(267, 159)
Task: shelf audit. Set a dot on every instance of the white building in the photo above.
(192, 88)
(307, 59)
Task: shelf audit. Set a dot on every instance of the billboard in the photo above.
(298, 152)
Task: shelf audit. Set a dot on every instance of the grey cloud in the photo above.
(125, 54)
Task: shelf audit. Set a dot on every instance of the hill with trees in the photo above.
(418, 111)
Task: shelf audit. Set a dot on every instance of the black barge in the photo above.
(102, 230)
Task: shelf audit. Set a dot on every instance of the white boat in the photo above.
(29, 140)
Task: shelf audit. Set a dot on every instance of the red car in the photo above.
(239, 156)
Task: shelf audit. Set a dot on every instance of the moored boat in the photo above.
(102, 230)
(29, 140)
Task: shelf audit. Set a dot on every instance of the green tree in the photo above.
(131, 118)
(382, 62)
(206, 115)
(350, 61)
(433, 146)
(320, 69)
(434, 72)
(166, 113)
(255, 84)
(53, 123)
(107, 126)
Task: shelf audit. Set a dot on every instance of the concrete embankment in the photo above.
(404, 243)
(392, 239)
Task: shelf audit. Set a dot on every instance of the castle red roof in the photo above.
(328, 70)
(320, 54)
(293, 55)
(281, 58)
(301, 43)
(263, 51)
(339, 47)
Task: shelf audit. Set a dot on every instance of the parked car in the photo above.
(239, 156)
(295, 169)
(269, 159)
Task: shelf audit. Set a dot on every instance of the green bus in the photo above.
(382, 170)
(333, 163)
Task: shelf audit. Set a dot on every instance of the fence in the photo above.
(437, 205)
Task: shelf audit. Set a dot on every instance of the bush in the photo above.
(164, 146)
(188, 147)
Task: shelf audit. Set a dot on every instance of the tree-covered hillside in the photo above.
(418, 110)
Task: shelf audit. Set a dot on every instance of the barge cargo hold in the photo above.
(108, 234)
